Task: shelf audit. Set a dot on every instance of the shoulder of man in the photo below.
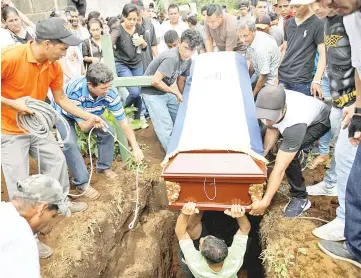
(75, 87)
(13, 52)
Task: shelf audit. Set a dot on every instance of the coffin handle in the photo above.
(215, 189)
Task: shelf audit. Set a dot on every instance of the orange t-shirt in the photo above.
(22, 75)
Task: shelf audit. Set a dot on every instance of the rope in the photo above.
(205, 190)
(40, 123)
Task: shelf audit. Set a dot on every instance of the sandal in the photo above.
(108, 174)
(90, 192)
(317, 161)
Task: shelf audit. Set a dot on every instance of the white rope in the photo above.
(205, 190)
(40, 124)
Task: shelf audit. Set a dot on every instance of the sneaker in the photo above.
(332, 231)
(145, 124)
(320, 189)
(77, 206)
(44, 250)
(296, 207)
(338, 251)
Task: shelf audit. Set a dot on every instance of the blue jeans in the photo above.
(330, 178)
(74, 159)
(353, 207)
(303, 88)
(163, 110)
(325, 140)
(134, 92)
(344, 156)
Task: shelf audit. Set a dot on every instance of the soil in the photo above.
(289, 245)
(98, 242)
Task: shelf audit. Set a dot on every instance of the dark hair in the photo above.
(53, 42)
(53, 207)
(256, 2)
(71, 9)
(192, 19)
(57, 13)
(6, 10)
(173, 6)
(214, 9)
(192, 37)
(129, 8)
(204, 8)
(98, 73)
(94, 20)
(171, 36)
(111, 20)
(151, 6)
(273, 16)
(224, 6)
(93, 14)
(214, 250)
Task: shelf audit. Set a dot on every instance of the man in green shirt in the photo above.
(213, 259)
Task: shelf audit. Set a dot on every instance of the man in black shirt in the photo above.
(303, 38)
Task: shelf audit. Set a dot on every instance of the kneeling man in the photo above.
(93, 93)
(301, 120)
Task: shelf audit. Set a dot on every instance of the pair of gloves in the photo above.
(137, 40)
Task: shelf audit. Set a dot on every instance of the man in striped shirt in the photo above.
(94, 94)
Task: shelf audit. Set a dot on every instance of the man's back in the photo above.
(302, 41)
(19, 256)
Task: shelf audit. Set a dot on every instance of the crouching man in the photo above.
(214, 258)
(36, 201)
(301, 120)
(93, 93)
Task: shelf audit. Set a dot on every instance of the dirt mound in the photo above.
(290, 248)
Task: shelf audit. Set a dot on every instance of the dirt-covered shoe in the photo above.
(296, 207)
(89, 191)
(338, 251)
(108, 174)
(44, 250)
(332, 231)
(320, 189)
(77, 206)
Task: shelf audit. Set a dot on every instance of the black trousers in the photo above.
(294, 170)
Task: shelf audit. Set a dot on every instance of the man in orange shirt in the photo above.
(28, 71)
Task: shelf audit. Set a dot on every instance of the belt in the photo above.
(344, 99)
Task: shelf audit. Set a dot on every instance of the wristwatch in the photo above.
(319, 82)
(357, 110)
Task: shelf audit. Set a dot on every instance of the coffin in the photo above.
(211, 161)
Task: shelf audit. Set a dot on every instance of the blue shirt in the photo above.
(77, 91)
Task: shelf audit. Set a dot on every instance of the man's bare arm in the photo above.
(260, 83)
(270, 139)
(209, 44)
(181, 81)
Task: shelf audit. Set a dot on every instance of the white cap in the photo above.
(301, 2)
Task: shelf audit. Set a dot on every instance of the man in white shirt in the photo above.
(301, 120)
(174, 22)
(37, 200)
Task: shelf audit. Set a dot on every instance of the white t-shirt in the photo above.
(301, 109)
(6, 39)
(352, 24)
(19, 257)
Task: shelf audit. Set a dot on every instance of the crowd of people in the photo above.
(304, 64)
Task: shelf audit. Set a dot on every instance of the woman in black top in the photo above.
(14, 25)
(128, 43)
(92, 47)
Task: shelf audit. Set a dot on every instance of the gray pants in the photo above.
(15, 150)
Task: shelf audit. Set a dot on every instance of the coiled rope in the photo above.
(40, 124)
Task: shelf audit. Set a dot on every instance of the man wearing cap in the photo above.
(28, 71)
(244, 10)
(283, 112)
(304, 36)
(35, 202)
(264, 24)
(262, 53)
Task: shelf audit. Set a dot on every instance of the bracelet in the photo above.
(319, 82)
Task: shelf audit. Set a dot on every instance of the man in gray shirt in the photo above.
(161, 99)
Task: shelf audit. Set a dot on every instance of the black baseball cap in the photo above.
(243, 3)
(270, 102)
(55, 28)
(263, 22)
